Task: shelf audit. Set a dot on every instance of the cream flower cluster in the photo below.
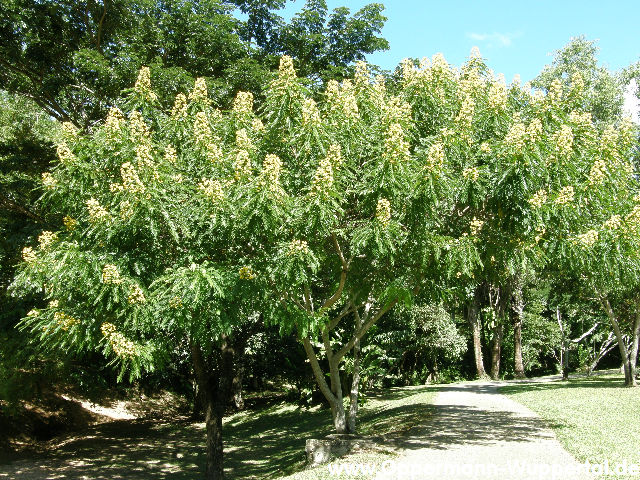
(565, 195)
(175, 302)
(242, 165)
(408, 70)
(563, 139)
(473, 82)
(334, 154)
(136, 295)
(199, 92)
(396, 110)
(609, 140)
(516, 135)
(122, 346)
(395, 146)
(46, 239)
(246, 273)
(577, 85)
(297, 247)
(257, 125)
(143, 84)
(555, 92)
(588, 239)
(170, 154)
(138, 127)
(342, 98)
(539, 198)
(69, 223)
(286, 71)
(475, 226)
(113, 123)
(540, 231)
(49, 181)
(243, 103)
(111, 275)
(348, 100)
(126, 210)
(310, 113)
(581, 120)
(383, 212)
(598, 172)
(29, 255)
(65, 155)
(435, 157)
(69, 130)
(201, 129)
(243, 142)
(212, 189)
(534, 130)
(271, 167)
(323, 177)
(362, 73)
(485, 148)
(614, 222)
(465, 115)
(379, 90)
(65, 321)
(130, 179)
(179, 109)
(498, 95)
(214, 153)
(471, 173)
(97, 212)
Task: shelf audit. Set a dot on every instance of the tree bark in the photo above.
(355, 382)
(517, 314)
(629, 370)
(473, 318)
(496, 349)
(214, 376)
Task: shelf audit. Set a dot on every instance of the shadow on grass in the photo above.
(258, 444)
(612, 382)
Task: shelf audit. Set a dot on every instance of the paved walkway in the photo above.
(480, 434)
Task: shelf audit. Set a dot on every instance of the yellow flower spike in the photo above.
(29, 255)
(111, 275)
(383, 212)
(243, 103)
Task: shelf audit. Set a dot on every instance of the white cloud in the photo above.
(495, 39)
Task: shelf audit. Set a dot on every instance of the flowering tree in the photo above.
(178, 226)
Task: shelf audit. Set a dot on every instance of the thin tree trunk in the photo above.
(629, 377)
(355, 382)
(517, 313)
(215, 384)
(496, 350)
(564, 342)
(473, 318)
(635, 342)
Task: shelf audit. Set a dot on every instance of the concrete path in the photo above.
(480, 434)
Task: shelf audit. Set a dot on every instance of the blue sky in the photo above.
(514, 36)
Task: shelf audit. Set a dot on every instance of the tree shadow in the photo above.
(580, 382)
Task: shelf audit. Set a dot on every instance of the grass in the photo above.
(595, 418)
(262, 443)
(392, 413)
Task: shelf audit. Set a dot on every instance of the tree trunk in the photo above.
(473, 318)
(238, 399)
(635, 343)
(496, 350)
(355, 383)
(517, 313)
(629, 370)
(214, 376)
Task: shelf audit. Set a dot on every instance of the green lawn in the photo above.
(391, 413)
(596, 418)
